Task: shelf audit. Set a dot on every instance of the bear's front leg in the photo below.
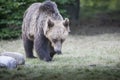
(41, 47)
(28, 46)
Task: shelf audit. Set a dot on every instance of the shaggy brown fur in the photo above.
(42, 22)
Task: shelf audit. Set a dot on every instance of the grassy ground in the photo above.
(94, 54)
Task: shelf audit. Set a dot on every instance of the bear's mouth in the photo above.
(58, 52)
(57, 47)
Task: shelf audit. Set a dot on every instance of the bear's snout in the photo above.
(58, 51)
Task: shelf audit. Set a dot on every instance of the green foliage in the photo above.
(61, 6)
(62, 2)
(11, 12)
(7, 33)
(92, 7)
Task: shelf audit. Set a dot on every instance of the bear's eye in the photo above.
(54, 40)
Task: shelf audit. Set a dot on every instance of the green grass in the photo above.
(85, 57)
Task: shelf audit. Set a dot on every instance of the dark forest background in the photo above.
(80, 12)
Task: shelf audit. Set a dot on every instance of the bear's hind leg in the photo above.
(28, 46)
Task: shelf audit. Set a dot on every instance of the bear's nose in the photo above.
(58, 52)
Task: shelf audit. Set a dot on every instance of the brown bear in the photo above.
(44, 29)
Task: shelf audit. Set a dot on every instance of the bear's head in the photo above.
(56, 32)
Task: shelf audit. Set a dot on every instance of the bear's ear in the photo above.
(66, 24)
(50, 23)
